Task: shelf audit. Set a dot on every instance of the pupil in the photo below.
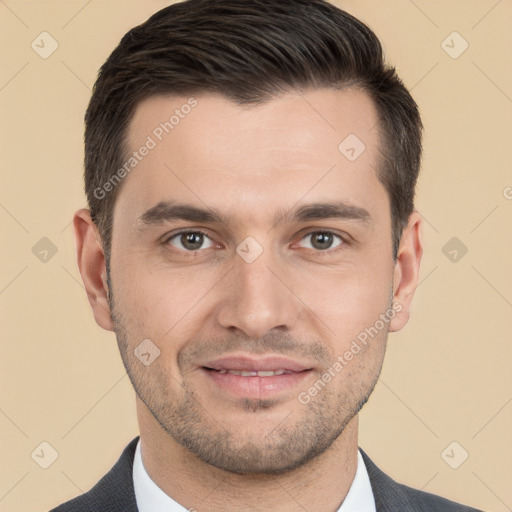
(324, 240)
(192, 240)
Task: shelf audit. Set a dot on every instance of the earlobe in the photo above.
(407, 271)
(92, 266)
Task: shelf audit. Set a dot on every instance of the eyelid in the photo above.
(169, 236)
(345, 239)
(165, 238)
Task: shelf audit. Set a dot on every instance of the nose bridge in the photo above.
(256, 298)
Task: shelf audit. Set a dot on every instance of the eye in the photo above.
(323, 240)
(189, 241)
(194, 241)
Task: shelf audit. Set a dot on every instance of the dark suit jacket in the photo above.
(115, 493)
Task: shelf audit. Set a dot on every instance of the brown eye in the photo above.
(323, 240)
(189, 240)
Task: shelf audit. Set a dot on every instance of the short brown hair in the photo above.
(249, 51)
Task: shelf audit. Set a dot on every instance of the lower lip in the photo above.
(255, 387)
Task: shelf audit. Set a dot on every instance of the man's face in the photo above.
(213, 304)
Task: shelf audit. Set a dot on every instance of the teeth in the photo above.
(270, 373)
(254, 373)
(267, 373)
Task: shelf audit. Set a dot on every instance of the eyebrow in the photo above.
(167, 211)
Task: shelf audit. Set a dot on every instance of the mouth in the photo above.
(252, 373)
(246, 377)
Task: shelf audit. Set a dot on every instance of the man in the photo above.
(251, 238)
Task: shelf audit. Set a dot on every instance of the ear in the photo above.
(92, 266)
(407, 270)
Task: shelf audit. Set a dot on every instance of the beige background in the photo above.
(447, 376)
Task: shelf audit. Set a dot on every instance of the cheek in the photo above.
(160, 304)
(348, 302)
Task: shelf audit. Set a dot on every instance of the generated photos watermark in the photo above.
(152, 141)
(356, 346)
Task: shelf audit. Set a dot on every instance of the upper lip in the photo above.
(267, 363)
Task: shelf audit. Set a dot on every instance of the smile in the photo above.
(253, 373)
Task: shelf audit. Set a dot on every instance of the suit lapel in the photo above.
(115, 490)
(389, 495)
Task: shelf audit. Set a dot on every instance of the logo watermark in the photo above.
(343, 360)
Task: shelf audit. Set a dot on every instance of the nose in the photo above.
(258, 297)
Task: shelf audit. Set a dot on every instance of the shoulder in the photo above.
(395, 497)
(114, 492)
(425, 501)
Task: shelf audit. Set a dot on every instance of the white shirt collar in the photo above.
(150, 498)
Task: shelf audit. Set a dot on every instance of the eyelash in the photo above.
(344, 240)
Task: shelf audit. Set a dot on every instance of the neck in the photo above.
(321, 484)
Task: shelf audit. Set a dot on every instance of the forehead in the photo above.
(210, 150)
(291, 119)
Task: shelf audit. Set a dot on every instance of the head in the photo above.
(280, 120)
